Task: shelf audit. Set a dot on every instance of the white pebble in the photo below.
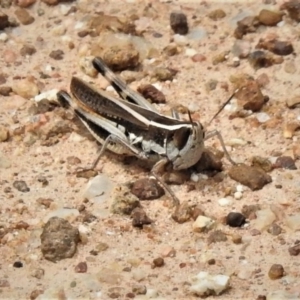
(48, 68)
(239, 188)
(190, 52)
(195, 177)
(98, 188)
(203, 223)
(205, 284)
(236, 142)
(157, 85)
(79, 25)
(49, 95)
(262, 117)
(224, 202)
(238, 195)
(180, 40)
(64, 9)
(3, 37)
(66, 39)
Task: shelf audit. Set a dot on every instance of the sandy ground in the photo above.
(126, 263)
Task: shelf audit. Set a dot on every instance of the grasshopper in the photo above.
(132, 126)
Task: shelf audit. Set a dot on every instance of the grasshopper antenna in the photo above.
(190, 117)
(223, 105)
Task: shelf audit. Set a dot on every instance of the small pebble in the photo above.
(178, 23)
(27, 50)
(24, 16)
(276, 271)
(3, 37)
(182, 213)
(235, 219)
(285, 162)
(139, 289)
(224, 202)
(4, 134)
(147, 189)
(236, 238)
(81, 267)
(238, 195)
(140, 218)
(217, 14)
(57, 54)
(216, 236)
(274, 229)
(158, 262)
(294, 250)
(21, 186)
(18, 264)
(149, 91)
(269, 17)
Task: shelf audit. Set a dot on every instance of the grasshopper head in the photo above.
(188, 144)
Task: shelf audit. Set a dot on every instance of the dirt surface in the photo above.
(115, 260)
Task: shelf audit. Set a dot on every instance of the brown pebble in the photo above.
(35, 293)
(4, 22)
(86, 173)
(140, 218)
(21, 225)
(149, 91)
(294, 250)
(59, 239)
(171, 49)
(293, 8)
(3, 78)
(278, 47)
(24, 3)
(5, 91)
(247, 25)
(263, 80)
(182, 213)
(198, 57)
(178, 23)
(235, 219)
(27, 50)
(260, 59)
(73, 160)
(21, 186)
(236, 238)
(261, 297)
(216, 236)
(248, 210)
(158, 262)
(139, 289)
(57, 54)
(81, 267)
(83, 33)
(255, 232)
(4, 283)
(269, 17)
(285, 162)
(23, 16)
(253, 177)
(274, 229)
(147, 189)
(4, 134)
(211, 261)
(217, 14)
(45, 201)
(276, 271)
